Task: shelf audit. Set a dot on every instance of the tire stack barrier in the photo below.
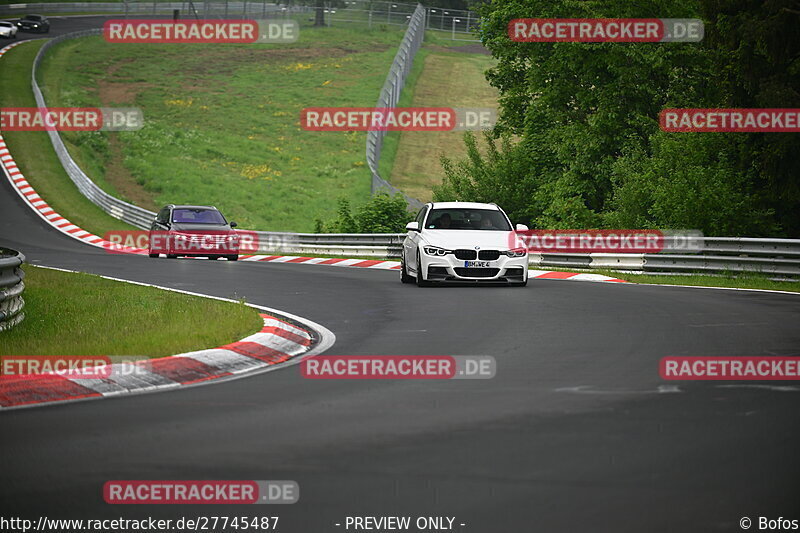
(11, 287)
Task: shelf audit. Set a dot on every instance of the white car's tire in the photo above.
(421, 281)
(404, 276)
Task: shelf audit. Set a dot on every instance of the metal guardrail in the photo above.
(253, 8)
(720, 254)
(357, 244)
(79, 7)
(11, 287)
(390, 95)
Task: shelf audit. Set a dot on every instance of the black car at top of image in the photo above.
(34, 23)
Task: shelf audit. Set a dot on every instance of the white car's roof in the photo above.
(464, 205)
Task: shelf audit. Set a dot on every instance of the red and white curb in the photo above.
(37, 203)
(361, 263)
(40, 207)
(29, 196)
(276, 343)
(572, 276)
(395, 265)
(280, 343)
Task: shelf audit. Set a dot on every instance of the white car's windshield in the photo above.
(467, 219)
(5, 24)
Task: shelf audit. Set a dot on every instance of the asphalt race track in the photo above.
(577, 432)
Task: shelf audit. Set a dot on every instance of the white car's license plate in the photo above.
(477, 264)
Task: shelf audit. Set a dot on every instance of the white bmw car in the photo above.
(8, 30)
(463, 242)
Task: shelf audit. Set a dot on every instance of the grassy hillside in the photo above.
(222, 121)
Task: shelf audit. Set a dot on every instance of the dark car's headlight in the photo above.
(516, 252)
(435, 250)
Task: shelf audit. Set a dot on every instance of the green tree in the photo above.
(587, 150)
(501, 176)
(756, 47)
(577, 106)
(690, 181)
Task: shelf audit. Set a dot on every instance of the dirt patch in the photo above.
(122, 93)
(113, 93)
(474, 48)
(226, 61)
(122, 180)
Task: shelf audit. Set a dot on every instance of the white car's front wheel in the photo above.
(404, 276)
(421, 281)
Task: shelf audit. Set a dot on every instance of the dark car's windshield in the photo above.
(469, 219)
(197, 216)
(33, 17)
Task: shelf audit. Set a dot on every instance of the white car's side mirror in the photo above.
(412, 226)
(522, 227)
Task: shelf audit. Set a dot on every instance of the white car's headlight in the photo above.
(435, 250)
(516, 252)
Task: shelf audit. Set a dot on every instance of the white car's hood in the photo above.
(469, 239)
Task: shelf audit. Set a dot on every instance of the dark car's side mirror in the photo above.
(234, 224)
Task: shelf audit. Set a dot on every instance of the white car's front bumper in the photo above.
(451, 268)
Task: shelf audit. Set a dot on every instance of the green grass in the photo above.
(83, 314)
(222, 121)
(411, 160)
(391, 141)
(34, 153)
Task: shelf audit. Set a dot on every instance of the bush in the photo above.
(381, 214)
